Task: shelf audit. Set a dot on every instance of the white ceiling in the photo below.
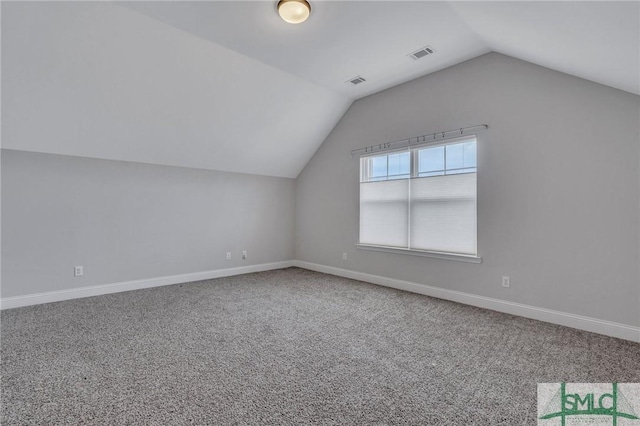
(339, 41)
(230, 86)
(599, 41)
(101, 81)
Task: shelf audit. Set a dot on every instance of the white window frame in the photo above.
(413, 173)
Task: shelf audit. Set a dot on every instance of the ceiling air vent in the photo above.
(356, 80)
(421, 53)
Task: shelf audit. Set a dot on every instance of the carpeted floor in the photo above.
(288, 347)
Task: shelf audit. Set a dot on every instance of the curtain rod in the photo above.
(408, 142)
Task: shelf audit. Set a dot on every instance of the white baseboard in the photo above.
(594, 325)
(608, 328)
(57, 296)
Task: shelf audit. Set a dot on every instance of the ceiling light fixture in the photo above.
(294, 11)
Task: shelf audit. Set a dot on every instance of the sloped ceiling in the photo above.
(230, 86)
(98, 80)
(597, 41)
(339, 41)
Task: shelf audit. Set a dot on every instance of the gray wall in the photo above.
(558, 186)
(126, 221)
(558, 209)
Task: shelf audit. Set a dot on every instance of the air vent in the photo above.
(421, 53)
(356, 80)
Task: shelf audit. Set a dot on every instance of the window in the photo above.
(422, 198)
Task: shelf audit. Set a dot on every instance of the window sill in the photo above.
(423, 253)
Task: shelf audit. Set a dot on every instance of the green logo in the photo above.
(587, 399)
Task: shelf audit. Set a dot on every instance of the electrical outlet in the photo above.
(344, 256)
(228, 255)
(78, 271)
(244, 254)
(506, 282)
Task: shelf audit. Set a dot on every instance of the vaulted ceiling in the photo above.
(230, 86)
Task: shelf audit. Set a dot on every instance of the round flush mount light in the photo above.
(294, 11)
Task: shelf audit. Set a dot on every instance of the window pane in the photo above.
(470, 154)
(431, 159)
(455, 156)
(379, 166)
(399, 165)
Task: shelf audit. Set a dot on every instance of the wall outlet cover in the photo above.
(78, 271)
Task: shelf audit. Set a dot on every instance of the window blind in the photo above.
(443, 213)
(384, 213)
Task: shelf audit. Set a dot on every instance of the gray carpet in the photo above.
(288, 347)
